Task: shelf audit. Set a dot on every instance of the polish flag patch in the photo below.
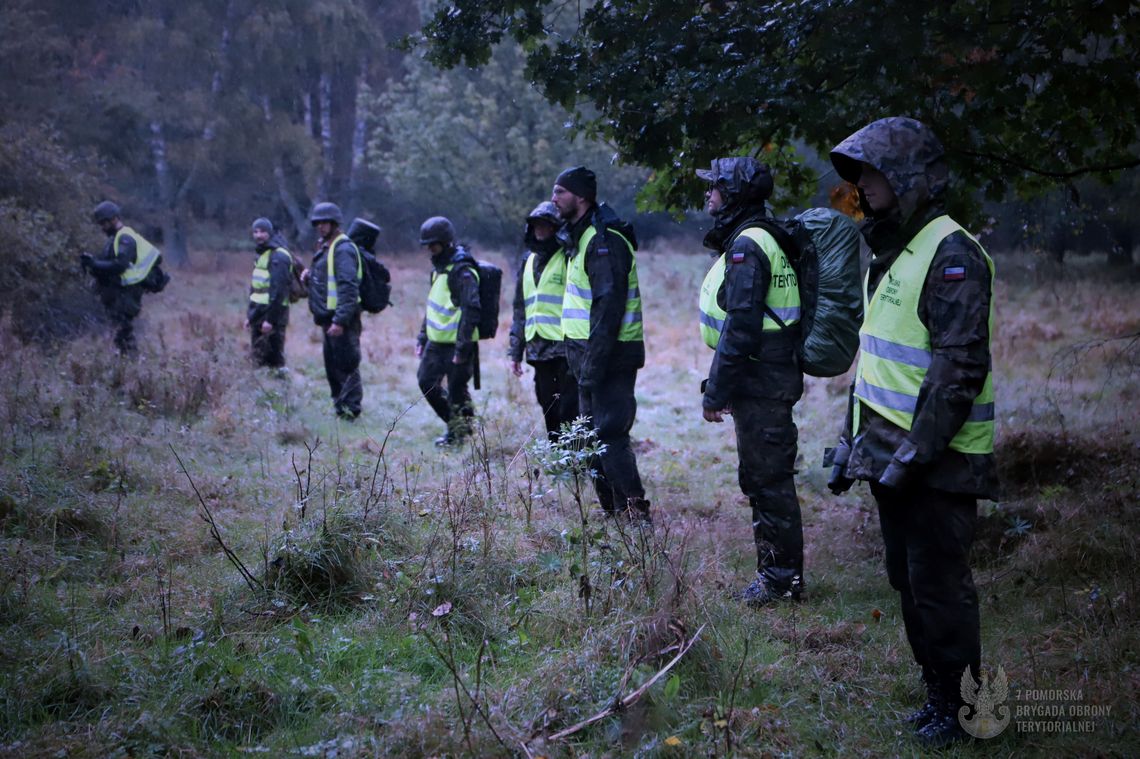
(738, 257)
(953, 273)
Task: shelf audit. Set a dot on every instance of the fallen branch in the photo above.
(208, 517)
(632, 698)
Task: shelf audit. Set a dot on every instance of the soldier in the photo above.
(334, 300)
(267, 315)
(602, 328)
(537, 323)
(119, 272)
(750, 314)
(920, 426)
(447, 345)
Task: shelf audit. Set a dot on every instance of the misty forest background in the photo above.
(197, 559)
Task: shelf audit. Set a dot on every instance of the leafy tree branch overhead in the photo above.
(1025, 95)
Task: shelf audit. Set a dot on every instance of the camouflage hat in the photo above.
(437, 229)
(106, 211)
(326, 212)
(742, 178)
(906, 151)
(545, 211)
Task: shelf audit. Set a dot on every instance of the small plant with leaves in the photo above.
(570, 462)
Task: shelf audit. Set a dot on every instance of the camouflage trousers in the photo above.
(453, 405)
(927, 535)
(612, 408)
(766, 444)
(342, 368)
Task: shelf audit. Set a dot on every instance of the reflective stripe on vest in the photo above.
(145, 257)
(783, 296)
(579, 297)
(712, 315)
(330, 284)
(895, 347)
(543, 301)
(442, 319)
(259, 285)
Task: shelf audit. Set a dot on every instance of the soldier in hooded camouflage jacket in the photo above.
(920, 422)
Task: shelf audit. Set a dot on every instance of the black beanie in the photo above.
(263, 224)
(580, 181)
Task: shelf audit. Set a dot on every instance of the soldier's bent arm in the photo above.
(745, 289)
(609, 283)
(279, 275)
(345, 266)
(111, 263)
(518, 317)
(955, 310)
(471, 309)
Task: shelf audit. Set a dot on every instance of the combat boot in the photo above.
(637, 510)
(919, 718)
(943, 727)
(761, 592)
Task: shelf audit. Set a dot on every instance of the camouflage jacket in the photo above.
(538, 348)
(954, 311)
(956, 315)
(748, 362)
(346, 264)
(603, 354)
(463, 284)
(276, 312)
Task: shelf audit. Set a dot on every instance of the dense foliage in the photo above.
(481, 146)
(1024, 94)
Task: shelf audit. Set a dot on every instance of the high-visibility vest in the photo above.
(443, 316)
(579, 297)
(895, 348)
(259, 284)
(782, 298)
(330, 285)
(145, 256)
(543, 301)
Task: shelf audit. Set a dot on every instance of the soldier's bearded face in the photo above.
(566, 202)
(260, 236)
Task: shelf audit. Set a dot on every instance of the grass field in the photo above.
(197, 559)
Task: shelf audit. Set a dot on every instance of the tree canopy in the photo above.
(1025, 95)
(480, 146)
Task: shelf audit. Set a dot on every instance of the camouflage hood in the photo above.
(905, 151)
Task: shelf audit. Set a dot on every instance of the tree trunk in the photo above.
(358, 166)
(296, 214)
(325, 91)
(173, 241)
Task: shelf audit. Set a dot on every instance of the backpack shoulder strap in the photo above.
(785, 239)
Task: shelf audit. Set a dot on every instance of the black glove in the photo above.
(895, 475)
(86, 261)
(839, 483)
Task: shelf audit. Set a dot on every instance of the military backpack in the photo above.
(823, 247)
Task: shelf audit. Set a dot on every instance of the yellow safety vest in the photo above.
(579, 297)
(782, 298)
(895, 348)
(543, 301)
(330, 289)
(259, 284)
(146, 255)
(443, 316)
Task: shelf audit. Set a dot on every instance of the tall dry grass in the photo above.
(407, 601)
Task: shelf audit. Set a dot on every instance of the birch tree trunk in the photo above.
(173, 240)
